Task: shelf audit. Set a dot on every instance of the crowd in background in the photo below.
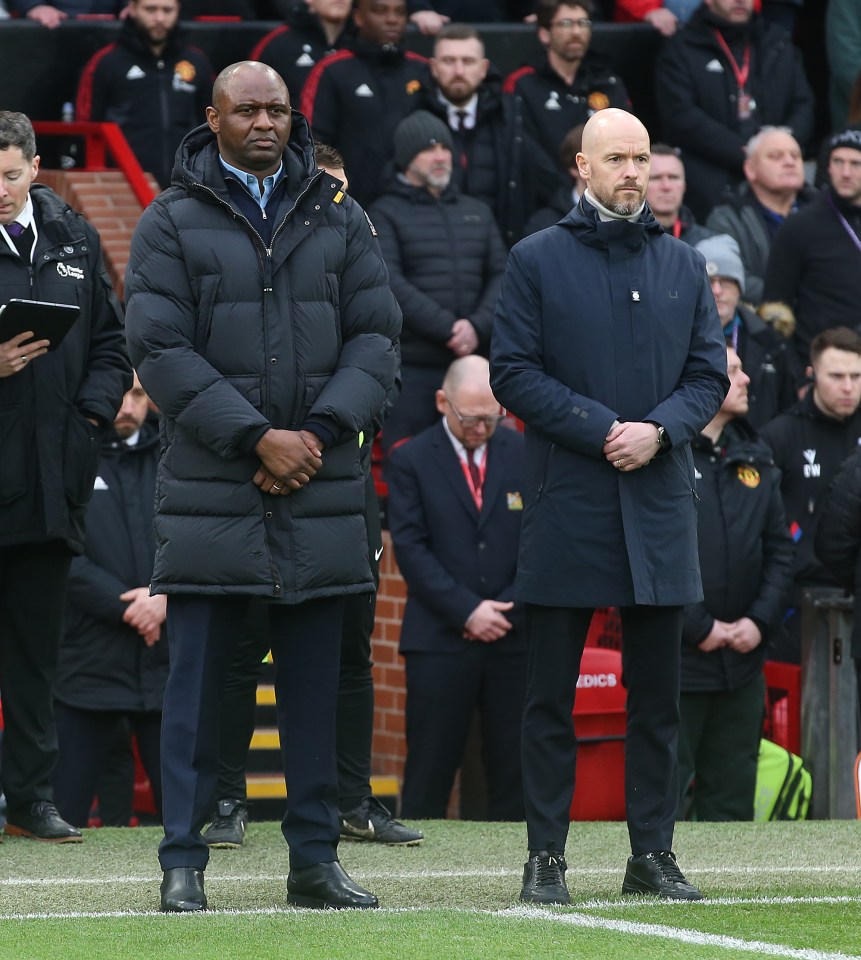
(454, 164)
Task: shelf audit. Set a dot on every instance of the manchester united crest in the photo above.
(414, 86)
(185, 71)
(598, 100)
(749, 475)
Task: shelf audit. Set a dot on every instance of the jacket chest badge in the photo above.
(413, 87)
(67, 270)
(748, 475)
(185, 70)
(635, 296)
(552, 102)
(810, 468)
(514, 500)
(598, 100)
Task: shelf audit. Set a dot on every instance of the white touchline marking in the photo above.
(213, 876)
(518, 912)
(674, 933)
(629, 902)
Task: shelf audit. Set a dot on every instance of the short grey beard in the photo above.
(625, 210)
(439, 181)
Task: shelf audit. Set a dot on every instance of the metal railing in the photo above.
(101, 139)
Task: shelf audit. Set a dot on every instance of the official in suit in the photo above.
(454, 514)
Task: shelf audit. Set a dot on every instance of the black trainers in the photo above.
(658, 874)
(372, 821)
(544, 879)
(227, 830)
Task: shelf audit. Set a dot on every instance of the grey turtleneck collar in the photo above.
(605, 214)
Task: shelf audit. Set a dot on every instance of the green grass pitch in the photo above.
(773, 890)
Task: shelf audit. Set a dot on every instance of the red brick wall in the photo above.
(389, 748)
(108, 202)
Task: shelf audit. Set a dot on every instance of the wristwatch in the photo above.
(663, 438)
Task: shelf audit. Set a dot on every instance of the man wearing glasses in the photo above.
(570, 84)
(455, 505)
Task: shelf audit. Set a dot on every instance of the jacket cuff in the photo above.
(322, 431)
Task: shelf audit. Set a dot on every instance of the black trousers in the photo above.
(305, 640)
(355, 713)
(32, 591)
(443, 690)
(719, 749)
(651, 652)
(86, 738)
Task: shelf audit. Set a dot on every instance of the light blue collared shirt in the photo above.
(250, 181)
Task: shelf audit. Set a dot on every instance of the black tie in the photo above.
(22, 237)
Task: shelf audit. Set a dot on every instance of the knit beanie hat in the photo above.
(723, 258)
(417, 132)
(847, 138)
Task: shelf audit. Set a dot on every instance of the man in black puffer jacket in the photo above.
(446, 258)
(745, 556)
(113, 658)
(262, 325)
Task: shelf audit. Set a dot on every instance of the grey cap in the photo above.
(417, 132)
(723, 258)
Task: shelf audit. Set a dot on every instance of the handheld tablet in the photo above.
(48, 321)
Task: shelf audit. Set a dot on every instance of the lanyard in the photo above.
(476, 491)
(742, 74)
(852, 235)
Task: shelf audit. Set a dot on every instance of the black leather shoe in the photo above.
(544, 879)
(658, 875)
(326, 886)
(41, 821)
(182, 890)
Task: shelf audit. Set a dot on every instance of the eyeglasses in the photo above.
(569, 25)
(489, 422)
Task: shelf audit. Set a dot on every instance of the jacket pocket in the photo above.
(81, 458)
(13, 480)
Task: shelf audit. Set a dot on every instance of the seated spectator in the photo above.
(665, 195)
(566, 196)
(772, 374)
(355, 98)
(773, 189)
(51, 15)
(151, 83)
(813, 265)
(722, 77)
(745, 556)
(445, 257)
(809, 443)
(570, 83)
(113, 658)
(311, 31)
(492, 158)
